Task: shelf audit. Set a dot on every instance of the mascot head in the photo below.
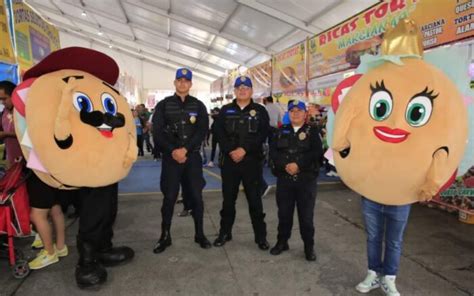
(76, 129)
(401, 130)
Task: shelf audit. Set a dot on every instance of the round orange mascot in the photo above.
(77, 133)
(401, 130)
(399, 136)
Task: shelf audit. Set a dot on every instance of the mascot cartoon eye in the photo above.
(381, 102)
(419, 111)
(82, 102)
(110, 106)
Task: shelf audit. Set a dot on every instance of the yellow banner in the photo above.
(339, 48)
(289, 73)
(6, 49)
(35, 38)
(261, 76)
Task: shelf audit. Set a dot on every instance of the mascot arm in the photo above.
(434, 178)
(132, 151)
(62, 125)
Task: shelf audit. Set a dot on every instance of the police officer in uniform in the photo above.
(295, 152)
(180, 123)
(241, 129)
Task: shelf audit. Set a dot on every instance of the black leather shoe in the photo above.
(310, 254)
(203, 242)
(115, 256)
(222, 239)
(90, 274)
(263, 245)
(279, 248)
(163, 243)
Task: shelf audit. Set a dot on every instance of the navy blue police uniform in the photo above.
(178, 124)
(246, 128)
(304, 148)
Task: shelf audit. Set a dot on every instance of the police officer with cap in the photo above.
(241, 129)
(295, 152)
(180, 123)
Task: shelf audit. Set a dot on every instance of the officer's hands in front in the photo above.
(238, 154)
(179, 155)
(292, 168)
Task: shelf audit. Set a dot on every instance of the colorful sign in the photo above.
(228, 83)
(216, 88)
(35, 37)
(6, 50)
(339, 48)
(289, 73)
(261, 76)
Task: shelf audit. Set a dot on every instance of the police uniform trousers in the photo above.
(190, 174)
(249, 172)
(97, 217)
(299, 193)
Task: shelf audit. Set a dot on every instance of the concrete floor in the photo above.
(438, 256)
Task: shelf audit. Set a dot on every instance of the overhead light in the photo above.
(83, 13)
(100, 33)
(110, 46)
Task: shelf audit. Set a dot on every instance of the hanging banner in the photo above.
(321, 89)
(228, 83)
(35, 37)
(340, 48)
(261, 76)
(216, 88)
(6, 50)
(289, 73)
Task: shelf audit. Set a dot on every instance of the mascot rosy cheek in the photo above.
(75, 129)
(401, 130)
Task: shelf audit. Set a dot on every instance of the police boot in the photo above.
(309, 252)
(279, 248)
(164, 241)
(199, 237)
(89, 272)
(222, 239)
(111, 256)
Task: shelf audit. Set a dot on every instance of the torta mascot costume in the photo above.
(400, 131)
(77, 133)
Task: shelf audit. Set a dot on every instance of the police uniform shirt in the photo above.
(302, 147)
(171, 119)
(246, 128)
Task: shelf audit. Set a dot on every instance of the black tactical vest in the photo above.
(180, 121)
(242, 126)
(292, 146)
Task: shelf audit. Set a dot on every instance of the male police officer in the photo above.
(295, 152)
(241, 129)
(180, 123)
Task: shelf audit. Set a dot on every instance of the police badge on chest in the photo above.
(192, 117)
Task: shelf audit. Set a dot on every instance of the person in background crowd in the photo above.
(145, 115)
(139, 125)
(7, 133)
(180, 123)
(214, 115)
(241, 129)
(296, 151)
